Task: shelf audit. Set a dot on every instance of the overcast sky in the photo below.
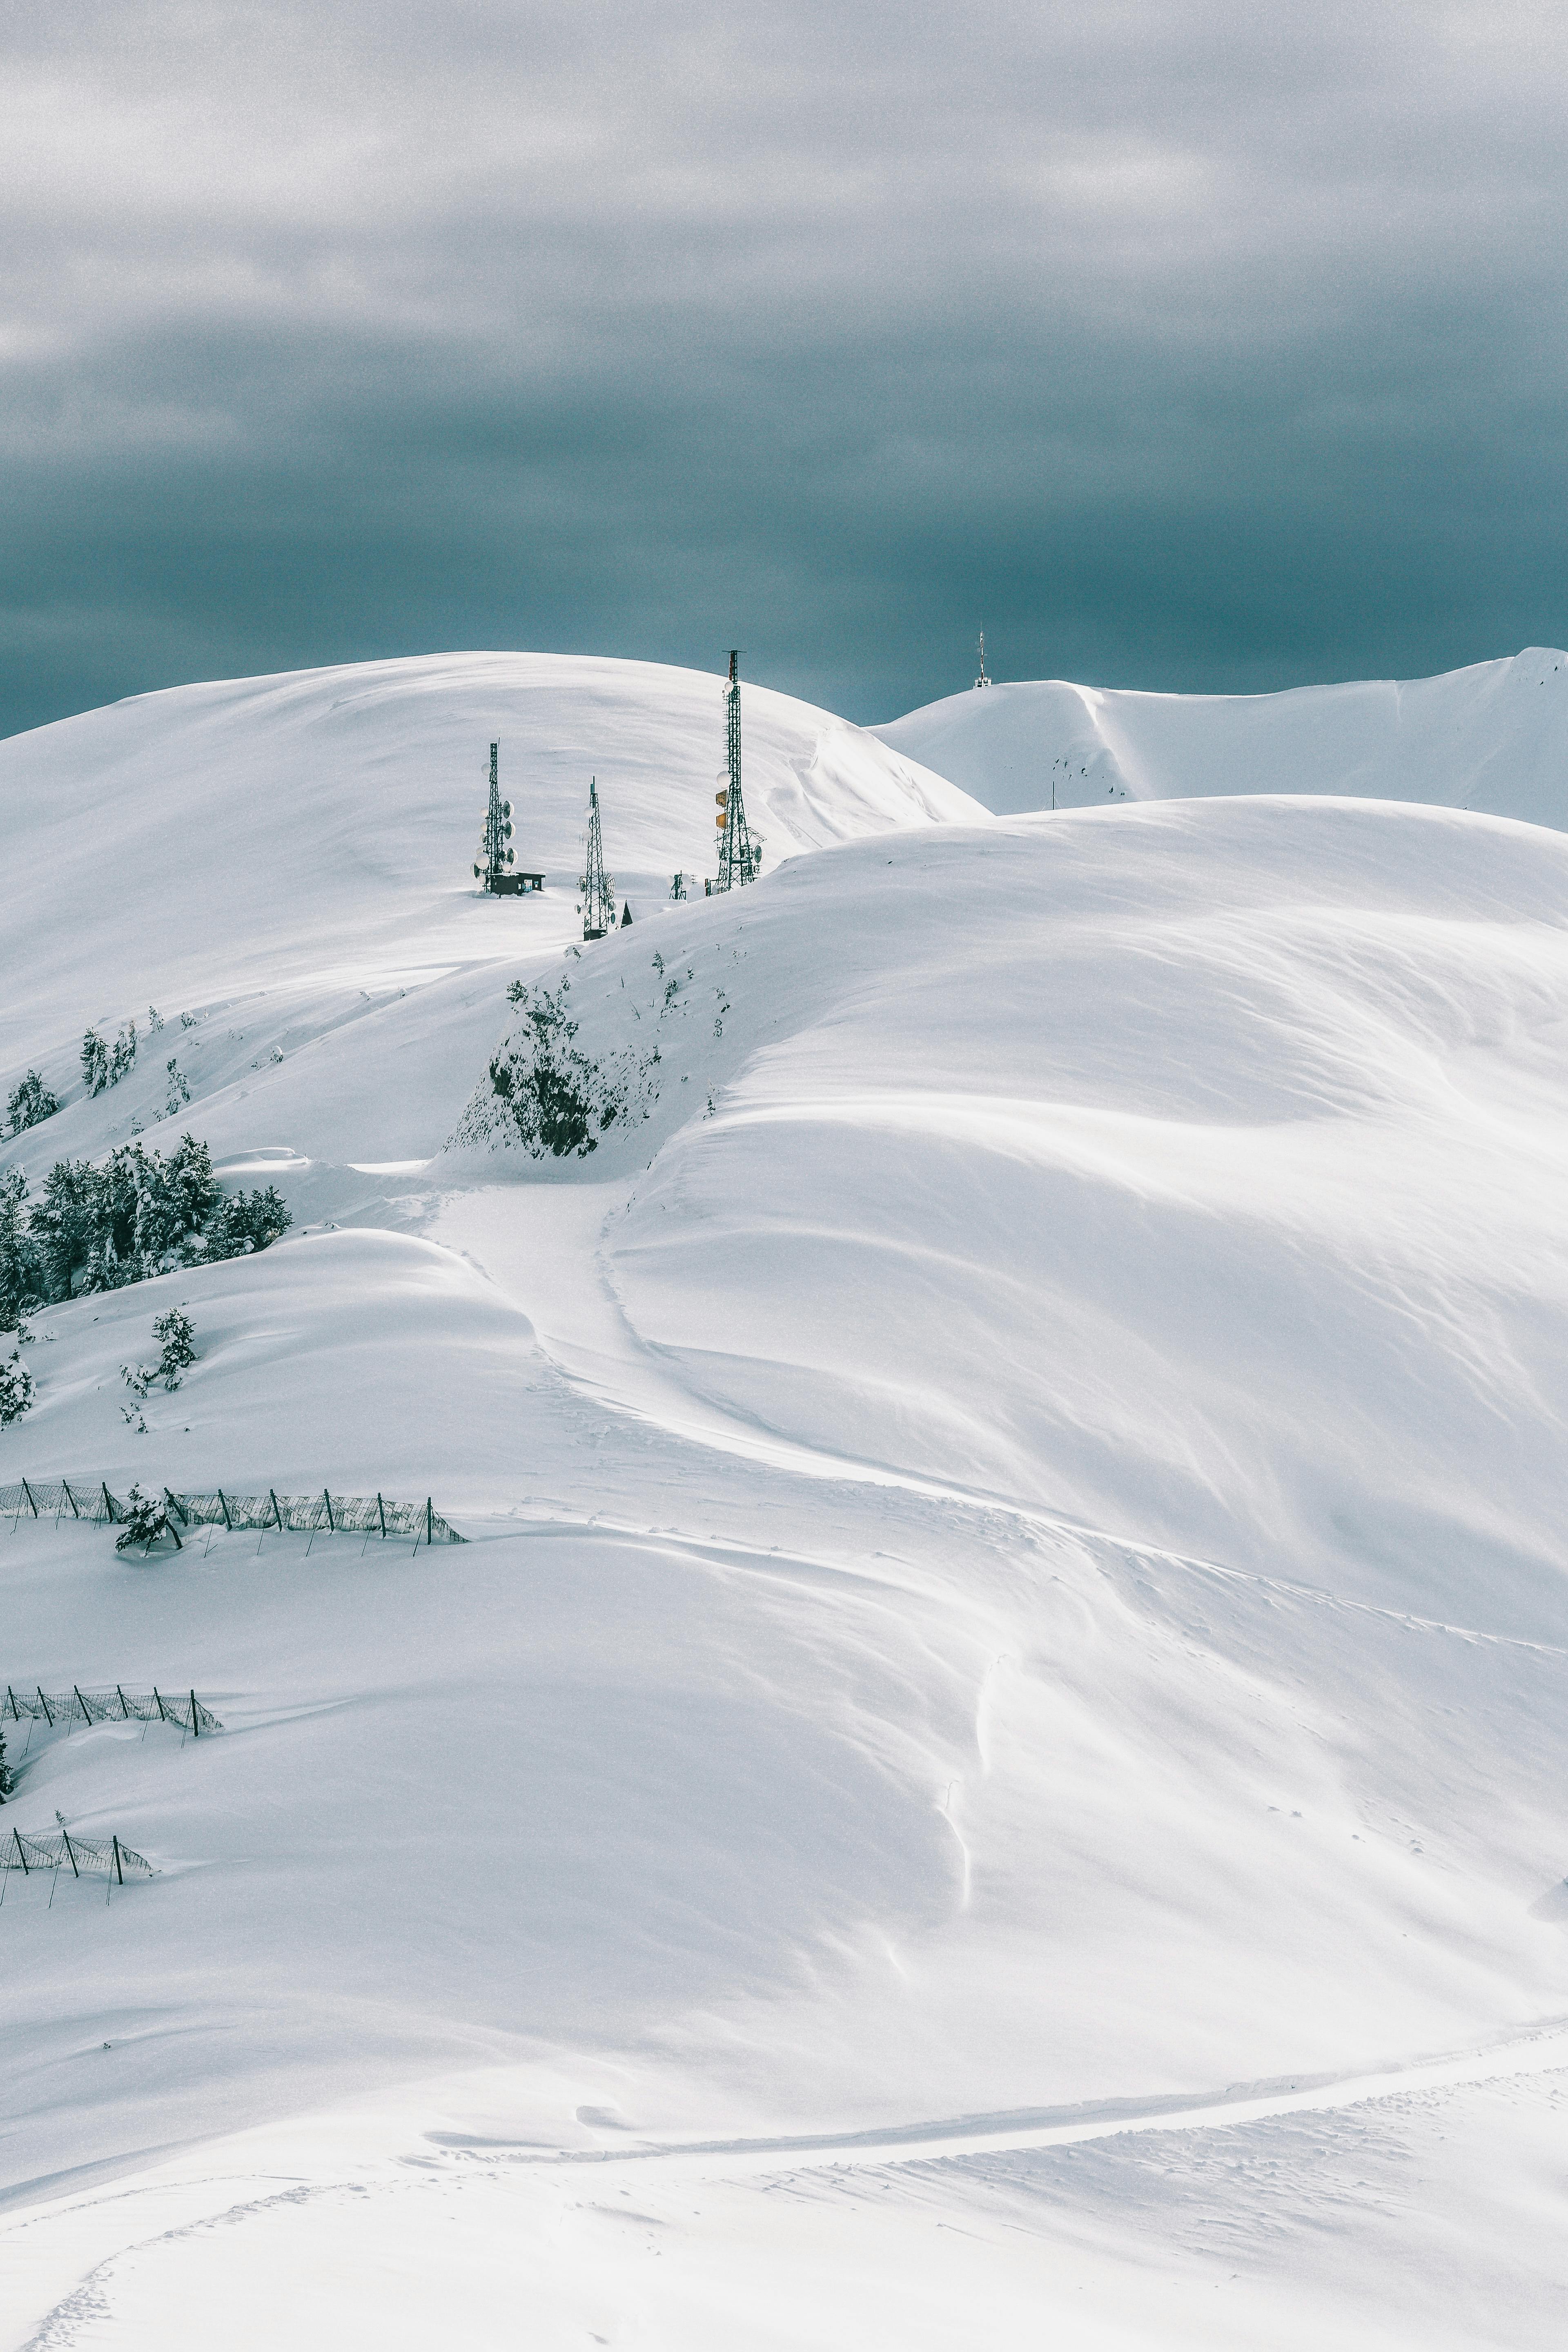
(1191, 346)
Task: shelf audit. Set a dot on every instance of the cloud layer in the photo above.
(1181, 345)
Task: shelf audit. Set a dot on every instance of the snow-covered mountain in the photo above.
(996, 1738)
(1493, 737)
(288, 861)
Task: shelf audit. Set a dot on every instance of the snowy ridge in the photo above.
(1493, 738)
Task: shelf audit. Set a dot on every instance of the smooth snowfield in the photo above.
(1493, 737)
(997, 1746)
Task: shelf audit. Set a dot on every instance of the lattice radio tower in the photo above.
(497, 834)
(598, 887)
(739, 855)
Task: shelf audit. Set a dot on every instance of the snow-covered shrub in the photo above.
(16, 1390)
(555, 1100)
(146, 1519)
(123, 1061)
(7, 1777)
(179, 1092)
(176, 1336)
(137, 1379)
(30, 1102)
(94, 1062)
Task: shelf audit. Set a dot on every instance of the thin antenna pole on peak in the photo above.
(982, 679)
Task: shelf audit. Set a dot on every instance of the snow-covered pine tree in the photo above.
(176, 1335)
(146, 1522)
(21, 1269)
(123, 1061)
(94, 1062)
(16, 1390)
(7, 1777)
(30, 1102)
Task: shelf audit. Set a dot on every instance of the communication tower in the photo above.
(493, 843)
(598, 887)
(495, 871)
(739, 855)
(982, 679)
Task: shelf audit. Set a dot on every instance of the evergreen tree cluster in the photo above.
(136, 1214)
(104, 1066)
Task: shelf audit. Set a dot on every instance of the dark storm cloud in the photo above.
(1180, 345)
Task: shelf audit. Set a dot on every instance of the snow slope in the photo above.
(289, 860)
(997, 1741)
(1235, 1134)
(1493, 737)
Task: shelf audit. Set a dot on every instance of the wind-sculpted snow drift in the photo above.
(1492, 737)
(1195, 1172)
(1006, 1389)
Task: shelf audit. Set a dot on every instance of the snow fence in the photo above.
(84, 1856)
(116, 1706)
(376, 1515)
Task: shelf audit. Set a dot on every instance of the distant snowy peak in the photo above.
(1492, 737)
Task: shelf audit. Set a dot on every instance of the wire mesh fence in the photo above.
(84, 1857)
(116, 1706)
(91, 1500)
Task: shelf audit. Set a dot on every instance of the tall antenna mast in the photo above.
(598, 889)
(739, 855)
(497, 834)
(982, 679)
